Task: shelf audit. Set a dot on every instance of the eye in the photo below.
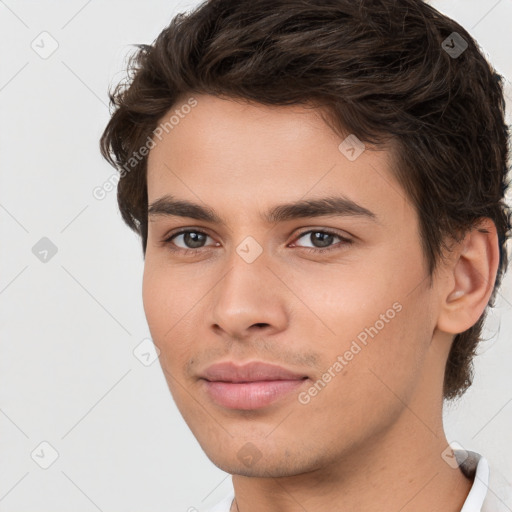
(322, 240)
(191, 239)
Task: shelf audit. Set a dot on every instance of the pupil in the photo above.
(324, 238)
(193, 239)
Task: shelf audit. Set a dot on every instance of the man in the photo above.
(319, 190)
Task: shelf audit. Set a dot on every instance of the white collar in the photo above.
(490, 492)
(475, 467)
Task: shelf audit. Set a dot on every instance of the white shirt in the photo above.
(490, 492)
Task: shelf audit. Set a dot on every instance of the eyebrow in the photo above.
(334, 205)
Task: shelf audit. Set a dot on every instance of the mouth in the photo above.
(250, 395)
(251, 386)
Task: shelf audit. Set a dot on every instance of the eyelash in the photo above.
(186, 252)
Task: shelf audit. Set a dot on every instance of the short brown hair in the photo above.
(378, 69)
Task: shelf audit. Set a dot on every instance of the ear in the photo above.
(469, 278)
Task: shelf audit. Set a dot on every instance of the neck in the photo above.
(407, 475)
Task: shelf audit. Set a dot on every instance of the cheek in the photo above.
(172, 298)
(165, 304)
(153, 298)
(341, 300)
(365, 383)
(376, 319)
(168, 294)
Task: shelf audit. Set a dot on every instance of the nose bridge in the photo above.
(246, 295)
(247, 270)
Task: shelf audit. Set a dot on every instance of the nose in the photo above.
(249, 299)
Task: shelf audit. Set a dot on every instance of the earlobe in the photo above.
(472, 273)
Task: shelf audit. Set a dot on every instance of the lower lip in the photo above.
(250, 395)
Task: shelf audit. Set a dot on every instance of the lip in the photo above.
(251, 386)
(254, 371)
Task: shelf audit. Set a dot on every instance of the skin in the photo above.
(374, 434)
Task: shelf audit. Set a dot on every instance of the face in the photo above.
(335, 293)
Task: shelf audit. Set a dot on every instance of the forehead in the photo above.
(249, 153)
(249, 129)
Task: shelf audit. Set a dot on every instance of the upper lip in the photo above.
(251, 372)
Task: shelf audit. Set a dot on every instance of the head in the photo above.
(242, 106)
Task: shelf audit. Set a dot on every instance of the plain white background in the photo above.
(70, 325)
